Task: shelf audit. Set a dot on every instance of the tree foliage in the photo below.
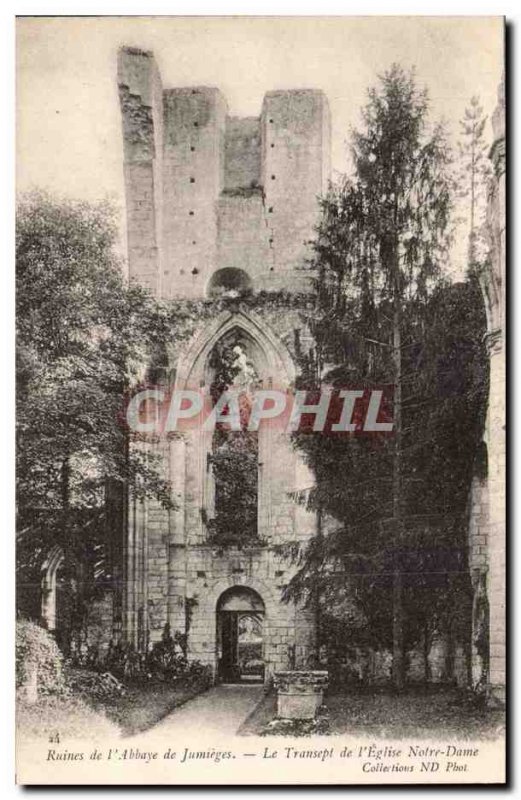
(384, 315)
(83, 336)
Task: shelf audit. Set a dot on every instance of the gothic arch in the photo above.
(275, 368)
(278, 364)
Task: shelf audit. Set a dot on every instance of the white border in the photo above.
(195, 8)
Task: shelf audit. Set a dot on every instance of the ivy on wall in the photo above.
(195, 314)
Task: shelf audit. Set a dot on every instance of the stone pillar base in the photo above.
(300, 693)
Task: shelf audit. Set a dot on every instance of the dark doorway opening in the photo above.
(240, 618)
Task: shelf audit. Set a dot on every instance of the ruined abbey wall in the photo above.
(494, 285)
(487, 530)
(208, 191)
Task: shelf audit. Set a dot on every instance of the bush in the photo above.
(167, 662)
(198, 675)
(124, 661)
(93, 685)
(166, 659)
(37, 650)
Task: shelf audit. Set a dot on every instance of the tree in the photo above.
(381, 317)
(473, 175)
(82, 338)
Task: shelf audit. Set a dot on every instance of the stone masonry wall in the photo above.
(487, 533)
(497, 524)
(171, 567)
(242, 153)
(140, 94)
(295, 139)
(211, 572)
(207, 191)
(100, 624)
(173, 570)
(194, 121)
(495, 434)
(244, 239)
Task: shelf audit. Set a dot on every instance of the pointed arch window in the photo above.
(234, 456)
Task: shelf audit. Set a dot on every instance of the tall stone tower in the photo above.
(207, 192)
(218, 206)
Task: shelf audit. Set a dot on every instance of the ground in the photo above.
(140, 708)
(383, 714)
(69, 717)
(216, 714)
(218, 711)
(224, 711)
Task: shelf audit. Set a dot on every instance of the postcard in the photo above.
(260, 323)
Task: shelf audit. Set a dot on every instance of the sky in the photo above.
(68, 124)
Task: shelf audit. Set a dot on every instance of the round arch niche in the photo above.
(240, 598)
(228, 280)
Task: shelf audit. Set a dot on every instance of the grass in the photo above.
(74, 716)
(71, 717)
(142, 706)
(382, 714)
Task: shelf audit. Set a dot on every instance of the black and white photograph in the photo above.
(260, 400)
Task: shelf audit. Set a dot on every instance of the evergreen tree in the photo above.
(381, 318)
(472, 177)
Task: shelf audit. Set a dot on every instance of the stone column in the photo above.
(176, 543)
(497, 521)
(478, 566)
(135, 571)
(130, 574)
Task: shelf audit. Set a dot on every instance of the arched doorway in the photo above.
(240, 622)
